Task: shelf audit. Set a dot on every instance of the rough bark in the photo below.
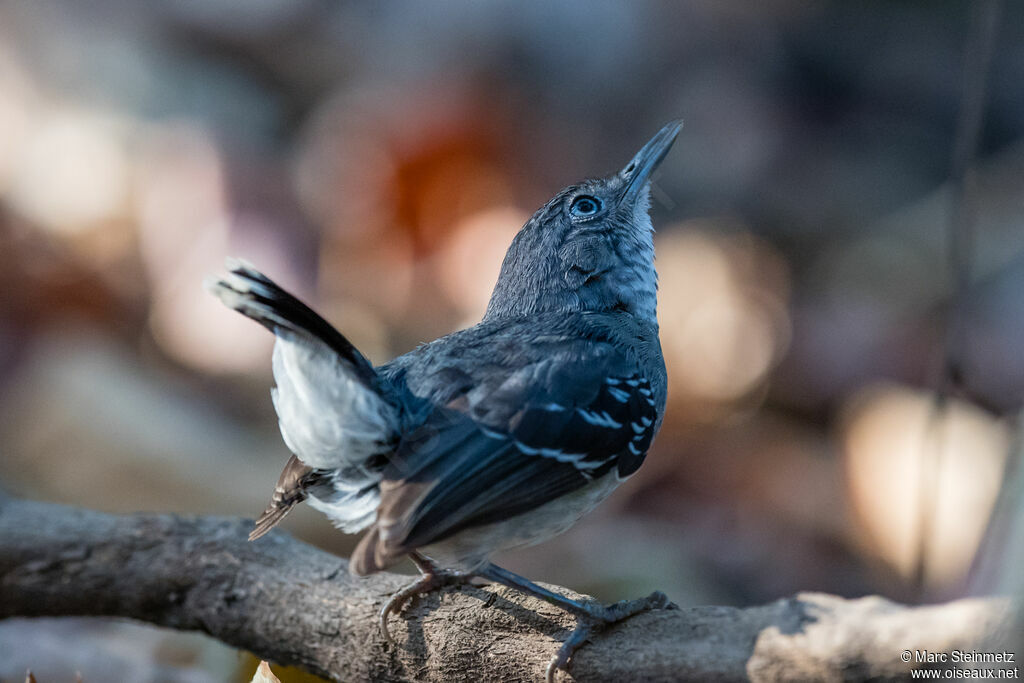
(293, 604)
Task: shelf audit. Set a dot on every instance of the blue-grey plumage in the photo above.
(552, 408)
(497, 436)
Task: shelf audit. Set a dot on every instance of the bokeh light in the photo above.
(469, 264)
(722, 309)
(922, 477)
(72, 170)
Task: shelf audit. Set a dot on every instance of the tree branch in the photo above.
(293, 604)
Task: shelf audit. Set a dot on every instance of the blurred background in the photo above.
(378, 159)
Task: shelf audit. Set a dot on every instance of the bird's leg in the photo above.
(592, 616)
(432, 578)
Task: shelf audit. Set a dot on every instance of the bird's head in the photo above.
(590, 248)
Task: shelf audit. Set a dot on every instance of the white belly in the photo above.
(470, 548)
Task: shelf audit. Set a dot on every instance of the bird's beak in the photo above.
(638, 171)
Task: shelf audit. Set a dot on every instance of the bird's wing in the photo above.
(521, 440)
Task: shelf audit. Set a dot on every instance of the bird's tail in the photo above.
(333, 411)
(256, 296)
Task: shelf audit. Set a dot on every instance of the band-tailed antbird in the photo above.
(498, 436)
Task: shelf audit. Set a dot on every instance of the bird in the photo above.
(498, 436)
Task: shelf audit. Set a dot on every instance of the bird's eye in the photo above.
(585, 206)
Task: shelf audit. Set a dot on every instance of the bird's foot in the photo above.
(432, 580)
(599, 617)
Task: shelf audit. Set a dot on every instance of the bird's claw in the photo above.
(599, 618)
(575, 641)
(425, 584)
